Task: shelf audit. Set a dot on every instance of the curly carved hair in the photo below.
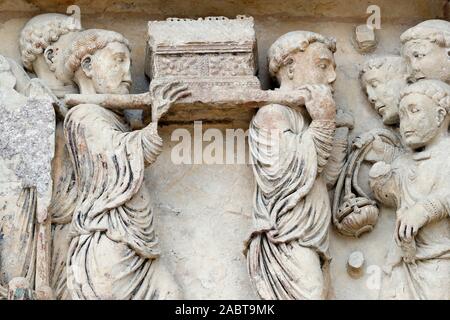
(42, 31)
(394, 65)
(437, 31)
(436, 90)
(292, 42)
(88, 42)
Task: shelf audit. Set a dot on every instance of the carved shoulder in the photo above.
(272, 116)
(87, 115)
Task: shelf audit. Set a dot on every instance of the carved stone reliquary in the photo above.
(212, 52)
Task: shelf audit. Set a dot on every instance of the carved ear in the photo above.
(448, 53)
(49, 54)
(289, 63)
(442, 113)
(86, 65)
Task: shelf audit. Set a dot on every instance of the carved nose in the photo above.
(127, 77)
(332, 77)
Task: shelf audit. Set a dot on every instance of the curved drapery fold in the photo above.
(113, 209)
(291, 207)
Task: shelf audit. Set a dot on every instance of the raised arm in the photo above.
(163, 96)
(322, 110)
(331, 172)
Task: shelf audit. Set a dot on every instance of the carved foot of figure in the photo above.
(44, 293)
(19, 289)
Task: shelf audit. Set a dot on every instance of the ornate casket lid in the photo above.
(204, 34)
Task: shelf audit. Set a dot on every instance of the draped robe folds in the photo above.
(61, 210)
(25, 184)
(415, 178)
(19, 236)
(288, 249)
(114, 249)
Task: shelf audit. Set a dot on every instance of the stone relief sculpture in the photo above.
(416, 184)
(43, 41)
(383, 78)
(75, 217)
(287, 254)
(114, 251)
(26, 151)
(426, 52)
(418, 258)
(426, 48)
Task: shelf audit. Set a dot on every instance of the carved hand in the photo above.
(409, 221)
(320, 103)
(344, 119)
(164, 95)
(380, 169)
(378, 150)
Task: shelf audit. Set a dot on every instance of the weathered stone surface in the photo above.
(418, 9)
(220, 217)
(355, 264)
(27, 142)
(365, 38)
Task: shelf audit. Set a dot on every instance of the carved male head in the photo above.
(7, 78)
(99, 62)
(383, 78)
(426, 48)
(301, 57)
(42, 40)
(424, 108)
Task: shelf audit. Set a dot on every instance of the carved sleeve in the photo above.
(151, 143)
(337, 158)
(437, 208)
(391, 153)
(322, 132)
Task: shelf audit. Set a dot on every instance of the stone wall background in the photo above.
(204, 211)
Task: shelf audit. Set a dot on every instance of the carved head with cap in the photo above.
(99, 61)
(424, 109)
(301, 58)
(426, 48)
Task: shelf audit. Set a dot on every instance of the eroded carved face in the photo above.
(315, 65)
(383, 91)
(419, 120)
(427, 59)
(55, 56)
(110, 69)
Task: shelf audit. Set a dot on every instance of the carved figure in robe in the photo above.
(287, 252)
(417, 185)
(114, 250)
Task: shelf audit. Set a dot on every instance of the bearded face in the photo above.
(315, 65)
